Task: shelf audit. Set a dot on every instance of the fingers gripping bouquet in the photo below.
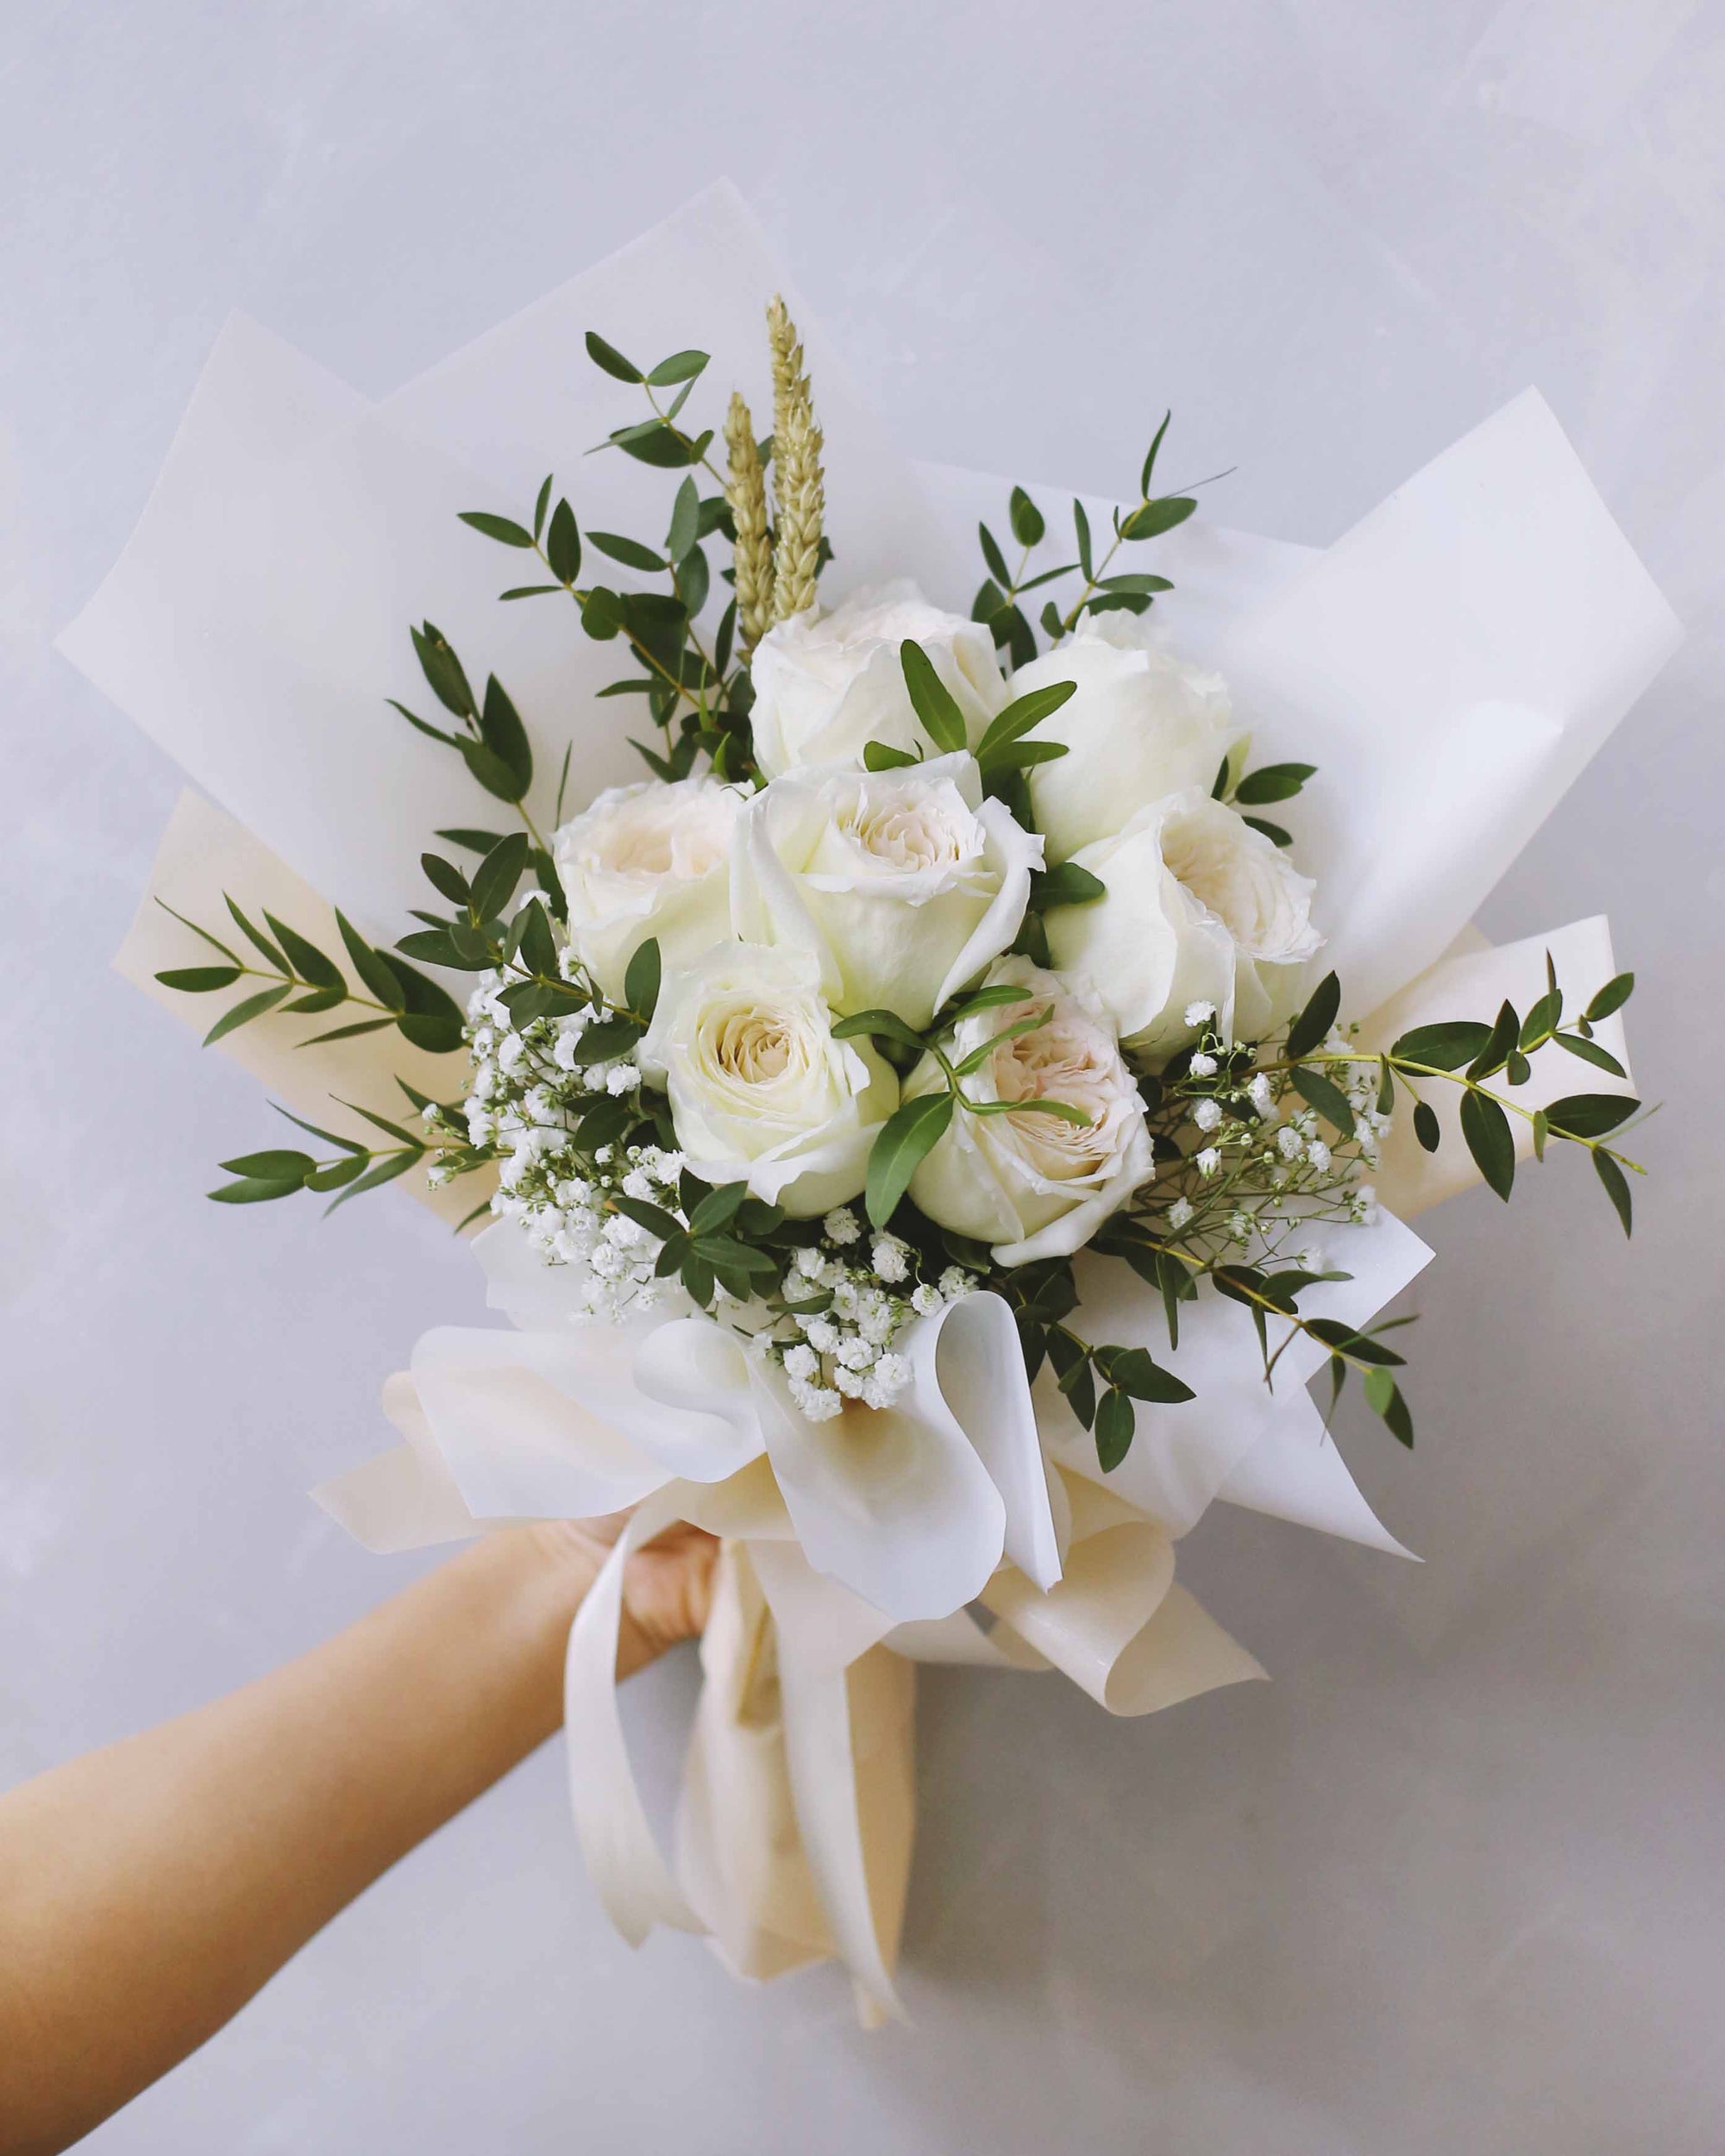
(920, 1134)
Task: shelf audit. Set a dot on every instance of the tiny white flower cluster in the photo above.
(527, 1094)
(1264, 1166)
(844, 1351)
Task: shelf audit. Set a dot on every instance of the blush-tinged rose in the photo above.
(1030, 1184)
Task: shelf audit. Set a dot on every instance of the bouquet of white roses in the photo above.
(923, 1135)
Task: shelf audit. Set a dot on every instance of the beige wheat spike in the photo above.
(746, 492)
(799, 492)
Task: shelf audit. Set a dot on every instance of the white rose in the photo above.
(1142, 724)
(651, 860)
(1201, 908)
(1028, 1183)
(905, 883)
(761, 1093)
(827, 685)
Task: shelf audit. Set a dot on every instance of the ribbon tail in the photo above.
(822, 1771)
(635, 1884)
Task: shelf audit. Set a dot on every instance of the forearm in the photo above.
(148, 1890)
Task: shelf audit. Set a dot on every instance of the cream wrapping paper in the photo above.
(1450, 664)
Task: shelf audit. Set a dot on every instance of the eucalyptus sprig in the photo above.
(1134, 591)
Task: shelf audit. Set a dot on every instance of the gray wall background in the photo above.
(1452, 1881)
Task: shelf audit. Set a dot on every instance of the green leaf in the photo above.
(1590, 1052)
(253, 1190)
(1145, 476)
(1616, 1188)
(887, 1024)
(984, 1000)
(1134, 1371)
(346, 1032)
(541, 503)
(1273, 832)
(603, 1043)
(1062, 1109)
(981, 1053)
(629, 552)
(519, 591)
(197, 980)
(255, 937)
(602, 613)
(718, 1209)
(682, 366)
(446, 878)
(491, 772)
(1115, 1421)
(1080, 526)
(1314, 1021)
(608, 357)
(1026, 519)
(655, 443)
(1506, 1030)
(503, 733)
(1445, 1046)
(442, 669)
(338, 1172)
(992, 554)
(932, 699)
(1326, 1097)
(1486, 1130)
(1346, 1341)
(329, 1137)
(1153, 518)
(497, 875)
(242, 1013)
(1612, 997)
(502, 528)
(1273, 782)
(641, 981)
(472, 842)
(383, 1169)
(1066, 885)
(1542, 1021)
(214, 941)
(276, 1166)
(910, 1132)
(1590, 1114)
(373, 973)
(1020, 715)
(880, 755)
(684, 533)
(654, 1218)
(1137, 581)
(1384, 1397)
(307, 961)
(563, 544)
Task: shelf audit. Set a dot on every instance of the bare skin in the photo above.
(148, 1890)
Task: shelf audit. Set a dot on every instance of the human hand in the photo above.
(667, 1587)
